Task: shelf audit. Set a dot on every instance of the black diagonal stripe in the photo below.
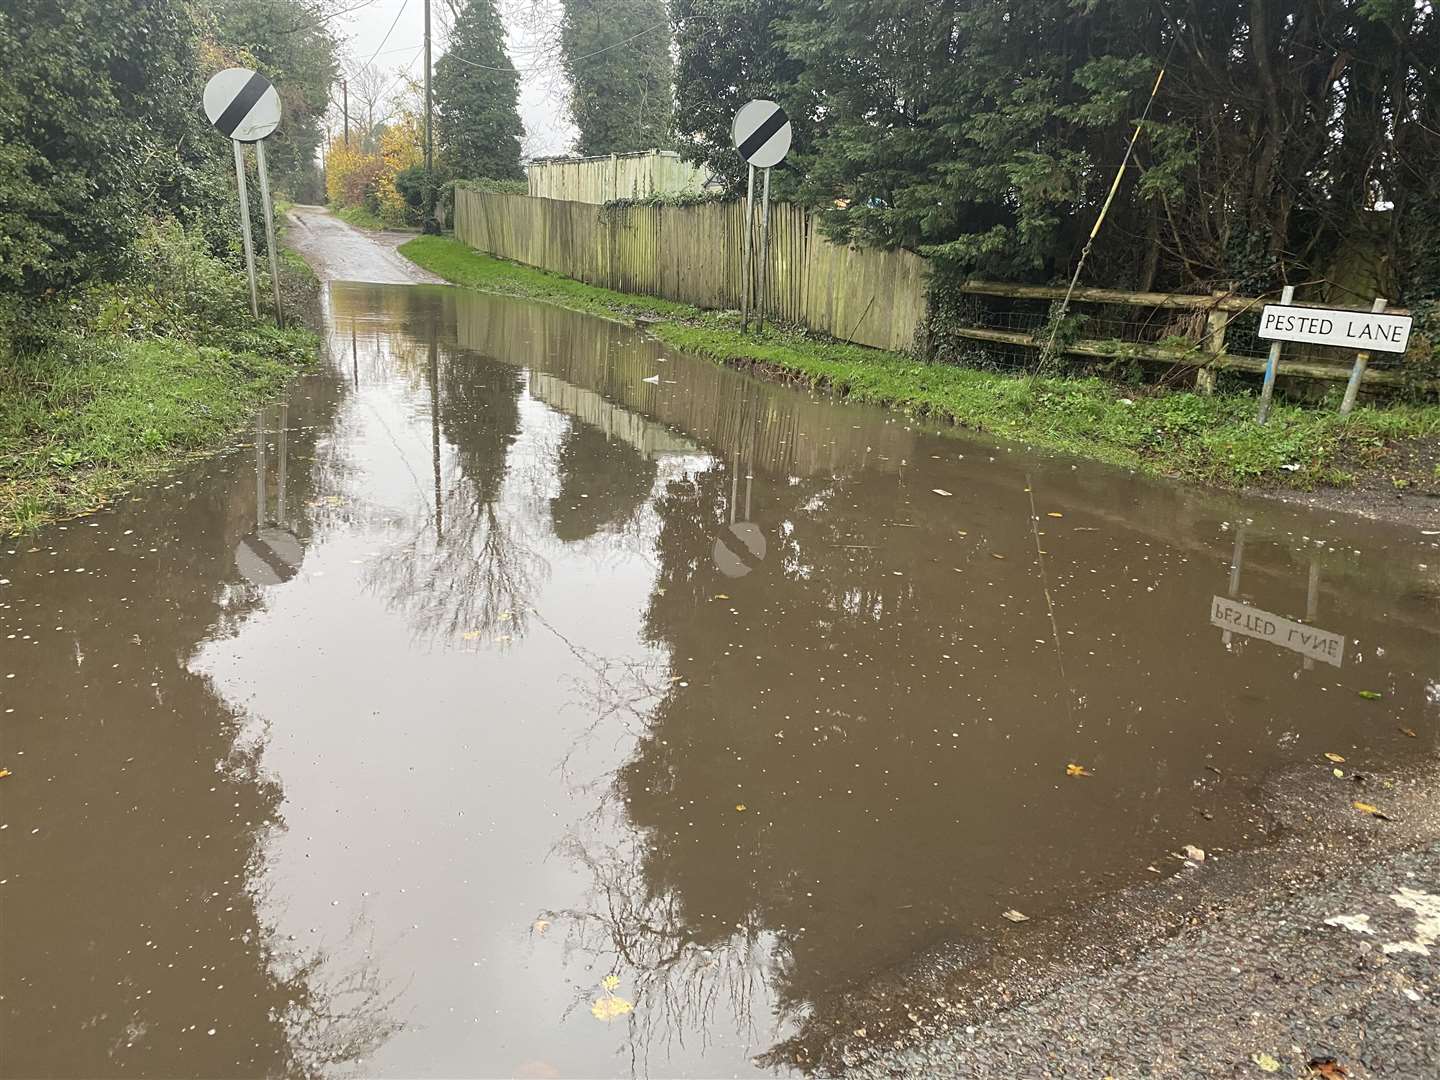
(764, 133)
(243, 102)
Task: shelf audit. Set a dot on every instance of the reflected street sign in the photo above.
(1308, 641)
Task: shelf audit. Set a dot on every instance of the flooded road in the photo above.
(523, 698)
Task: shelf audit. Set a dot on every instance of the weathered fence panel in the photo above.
(614, 176)
(692, 254)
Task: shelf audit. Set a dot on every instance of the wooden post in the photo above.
(1312, 601)
(1272, 365)
(1362, 360)
(1215, 324)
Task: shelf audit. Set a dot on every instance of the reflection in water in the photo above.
(135, 934)
(592, 662)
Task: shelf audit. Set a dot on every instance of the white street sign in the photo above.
(1365, 330)
(242, 104)
(1308, 641)
(761, 132)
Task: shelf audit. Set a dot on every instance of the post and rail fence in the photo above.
(880, 298)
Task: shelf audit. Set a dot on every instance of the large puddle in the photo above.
(527, 699)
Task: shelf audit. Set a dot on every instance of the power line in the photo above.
(403, 5)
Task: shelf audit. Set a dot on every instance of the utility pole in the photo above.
(429, 223)
(345, 108)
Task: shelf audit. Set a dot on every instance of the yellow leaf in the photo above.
(1054, 514)
(1076, 770)
(4, 773)
(1410, 732)
(1335, 758)
(505, 616)
(610, 1007)
(1266, 1062)
(740, 806)
(1338, 773)
(540, 925)
(610, 982)
(720, 596)
(1366, 808)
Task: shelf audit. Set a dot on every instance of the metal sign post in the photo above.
(1362, 361)
(245, 238)
(761, 132)
(269, 229)
(745, 247)
(1272, 362)
(244, 107)
(764, 256)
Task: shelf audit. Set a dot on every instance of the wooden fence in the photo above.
(692, 254)
(615, 176)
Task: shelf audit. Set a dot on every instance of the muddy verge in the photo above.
(1307, 835)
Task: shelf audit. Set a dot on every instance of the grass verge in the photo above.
(359, 217)
(1208, 439)
(79, 424)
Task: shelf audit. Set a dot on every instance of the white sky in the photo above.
(542, 87)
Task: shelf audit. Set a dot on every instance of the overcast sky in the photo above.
(363, 34)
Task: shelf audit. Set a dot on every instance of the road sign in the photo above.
(1371, 331)
(761, 131)
(242, 104)
(1310, 641)
(739, 549)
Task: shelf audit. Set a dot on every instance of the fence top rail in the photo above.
(561, 159)
(1214, 302)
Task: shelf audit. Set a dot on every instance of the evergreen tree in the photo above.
(729, 53)
(617, 56)
(477, 123)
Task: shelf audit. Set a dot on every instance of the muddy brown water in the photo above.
(517, 654)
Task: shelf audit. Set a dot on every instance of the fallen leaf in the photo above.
(1153, 869)
(505, 616)
(1328, 1068)
(1014, 916)
(540, 925)
(1193, 853)
(1077, 770)
(1335, 758)
(1409, 731)
(1339, 774)
(610, 982)
(1373, 811)
(720, 596)
(741, 807)
(4, 773)
(610, 1007)
(1371, 695)
(1266, 1062)
(940, 491)
(1053, 513)
(996, 555)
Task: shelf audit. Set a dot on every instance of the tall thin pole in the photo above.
(269, 211)
(245, 226)
(747, 248)
(345, 108)
(764, 255)
(1272, 364)
(1362, 361)
(429, 145)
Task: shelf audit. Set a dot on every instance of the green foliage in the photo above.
(503, 187)
(988, 136)
(476, 90)
(128, 373)
(730, 52)
(289, 42)
(616, 54)
(99, 130)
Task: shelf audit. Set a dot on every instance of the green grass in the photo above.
(358, 216)
(81, 422)
(1209, 439)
